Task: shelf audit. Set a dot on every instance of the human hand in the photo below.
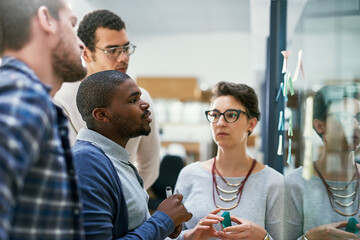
(174, 208)
(204, 229)
(331, 231)
(244, 230)
(176, 232)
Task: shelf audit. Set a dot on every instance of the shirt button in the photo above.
(76, 211)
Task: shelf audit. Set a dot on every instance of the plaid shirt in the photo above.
(39, 198)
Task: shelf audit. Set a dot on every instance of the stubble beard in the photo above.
(66, 66)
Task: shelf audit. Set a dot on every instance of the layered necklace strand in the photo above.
(331, 192)
(238, 191)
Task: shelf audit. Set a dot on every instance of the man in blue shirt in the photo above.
(39, 198)
(114, 199)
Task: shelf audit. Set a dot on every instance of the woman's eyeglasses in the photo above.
(230, 115)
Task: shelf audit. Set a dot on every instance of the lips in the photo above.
(123, 70)
(222, 134)
(146, 116)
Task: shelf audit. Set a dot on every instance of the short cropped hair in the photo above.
(98, 19)
(330, 94)
(97, 91)
(242, 93)
(15, 20)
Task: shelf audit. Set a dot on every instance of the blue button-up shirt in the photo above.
(39, 198)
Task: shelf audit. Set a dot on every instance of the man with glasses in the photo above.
(108, 48)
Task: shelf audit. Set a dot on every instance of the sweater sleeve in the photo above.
(104, 205)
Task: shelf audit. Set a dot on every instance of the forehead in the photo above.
(348, 104)
(127, 89)
(223, 103)
(109, 37)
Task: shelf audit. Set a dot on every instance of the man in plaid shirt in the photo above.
(39, 198)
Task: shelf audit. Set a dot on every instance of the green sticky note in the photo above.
(291, 86)
(351, 226)
(227, 221)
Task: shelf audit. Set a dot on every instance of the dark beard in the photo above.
(126, 128)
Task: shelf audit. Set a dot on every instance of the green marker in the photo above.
(227, 221)
(351, 226)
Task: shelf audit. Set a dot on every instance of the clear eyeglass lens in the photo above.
(114, 53)
(213, 116)
(231, 116)
(347, 118)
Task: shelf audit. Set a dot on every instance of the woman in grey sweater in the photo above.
(319, 208)
(232, 181)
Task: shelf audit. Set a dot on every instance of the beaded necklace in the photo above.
(332, 194)
(238, 192)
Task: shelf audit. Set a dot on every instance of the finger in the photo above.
(236, 219)
(341, 224)
(188, 216)
(216, 211)
(178, 196)
(342, 234)
(230, 235)
(208, 222)
(212, 216)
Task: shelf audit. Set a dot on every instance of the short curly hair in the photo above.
(98, 19)
(242, 93)
(97, 91)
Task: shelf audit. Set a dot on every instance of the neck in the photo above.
(41, 65)
(233, 163)
(110, 135)
(336, 166)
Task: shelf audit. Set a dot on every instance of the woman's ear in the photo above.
(101, 114)
(252, 125)
(319, 126)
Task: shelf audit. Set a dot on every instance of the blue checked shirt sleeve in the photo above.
(23, 122)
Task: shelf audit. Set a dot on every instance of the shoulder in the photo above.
(294, 179)
(67, 94)
(191, 169)
(273, 174)
(89, 159)
(294, 176)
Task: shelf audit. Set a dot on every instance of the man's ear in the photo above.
(87, 55)
(101, 114)
(319, 126)
(46, 21)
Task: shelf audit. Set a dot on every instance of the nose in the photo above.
(123, 57)
(221, 121)
(144, 105)
(81, 44)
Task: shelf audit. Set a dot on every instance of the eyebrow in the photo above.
(137, 93)
(113, 46)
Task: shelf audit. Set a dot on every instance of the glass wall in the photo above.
(321, 118)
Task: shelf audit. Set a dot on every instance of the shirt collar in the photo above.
(108, 146)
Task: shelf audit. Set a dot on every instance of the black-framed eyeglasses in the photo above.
(346, 117)
(230, 115)
(114, 52)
